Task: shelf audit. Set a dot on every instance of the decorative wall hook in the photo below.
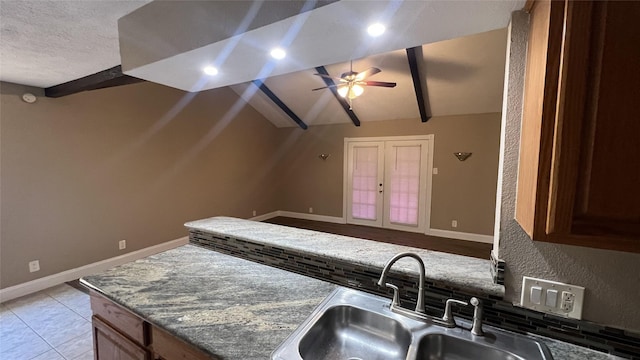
(462, 156)
(324, 156)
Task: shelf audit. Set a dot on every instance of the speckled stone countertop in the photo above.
(228, 307)
(464, 273)
(565, 351)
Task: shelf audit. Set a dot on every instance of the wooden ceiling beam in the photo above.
(100, 80)
(414, 55)
(276, 100)
(332, 86)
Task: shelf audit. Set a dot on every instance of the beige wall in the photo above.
(464, 191)
(82, 172)
(611, 278)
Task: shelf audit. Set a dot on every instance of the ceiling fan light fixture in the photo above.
(278, 53)
(351, 92)
(356, 90)
(376, 29)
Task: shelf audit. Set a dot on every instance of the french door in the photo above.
(388, 182)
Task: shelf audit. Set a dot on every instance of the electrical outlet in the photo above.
(122, 244)
(542, 295)
(34, 266)
(454, 223)
(568, 300)
(310, 210)
(254, 213)
(434, 171)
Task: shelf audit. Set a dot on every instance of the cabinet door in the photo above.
(109, 344)
(167, 346)
(579, 173)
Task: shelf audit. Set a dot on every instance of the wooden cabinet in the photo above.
(167, 346)
(119, 334)
(110, 344)
(579, 169)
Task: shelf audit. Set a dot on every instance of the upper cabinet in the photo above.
(579, 169)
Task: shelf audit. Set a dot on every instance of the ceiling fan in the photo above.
(351, 83)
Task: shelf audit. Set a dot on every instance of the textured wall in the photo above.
(82, 172)
(461, 190)
(611, 278)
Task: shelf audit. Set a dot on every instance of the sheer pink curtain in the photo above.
(365, 178)
(404, 185)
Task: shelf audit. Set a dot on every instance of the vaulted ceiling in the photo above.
(462, 76)
(49, 42)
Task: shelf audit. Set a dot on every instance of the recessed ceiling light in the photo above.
(376, 29)
(210, 70)
(278, 53)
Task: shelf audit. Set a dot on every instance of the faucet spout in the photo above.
(389, 264)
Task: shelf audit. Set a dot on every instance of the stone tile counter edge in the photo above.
(463, 273)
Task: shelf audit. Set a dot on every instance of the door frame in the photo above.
(429, 171)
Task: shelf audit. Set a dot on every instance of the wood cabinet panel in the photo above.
(538, 111)
(167, 346)
(109, 344)
(118, 334)
(120, 318)
(611, 189)
(579, 176)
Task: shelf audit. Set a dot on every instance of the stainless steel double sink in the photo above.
(353, 325)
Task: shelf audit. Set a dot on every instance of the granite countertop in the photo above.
(228, 307)
(565, 351)
(463, 273)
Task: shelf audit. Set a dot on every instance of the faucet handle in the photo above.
(396, 297)
(448, 319)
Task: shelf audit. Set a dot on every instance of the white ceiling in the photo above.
(49, 42)
(170, 42)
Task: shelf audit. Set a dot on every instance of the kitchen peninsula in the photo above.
(223, 307)
(194, 303)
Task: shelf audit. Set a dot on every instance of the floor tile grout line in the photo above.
(30, 328)
(65, 305)
(35, 332)
(51, 346)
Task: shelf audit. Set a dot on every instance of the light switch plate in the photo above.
(569, 297)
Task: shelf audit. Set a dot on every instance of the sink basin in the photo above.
(353, 325)
(440, 346)
(347, 332)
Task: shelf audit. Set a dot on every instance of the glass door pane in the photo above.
(404, 184)
(364, 183)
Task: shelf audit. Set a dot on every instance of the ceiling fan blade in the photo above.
(325, 87)
(380, 83)
(328, 76)
(365, 74)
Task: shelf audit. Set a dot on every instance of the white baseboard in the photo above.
(297, 215)
(46, 282)
(266, 216)
(341, 220)
(314, 217)
(461, 235)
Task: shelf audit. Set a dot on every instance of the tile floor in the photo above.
(52, 324)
